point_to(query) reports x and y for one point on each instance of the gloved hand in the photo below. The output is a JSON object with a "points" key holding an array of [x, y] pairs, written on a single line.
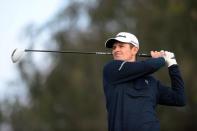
{"points": [[169, 58]]}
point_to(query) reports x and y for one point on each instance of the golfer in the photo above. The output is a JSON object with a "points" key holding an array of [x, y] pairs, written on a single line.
{"points": [[131, 92]]}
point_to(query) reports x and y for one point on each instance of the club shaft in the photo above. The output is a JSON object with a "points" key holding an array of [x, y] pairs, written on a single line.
{"points": [[144, 55], [80, 52], [72, 52]]}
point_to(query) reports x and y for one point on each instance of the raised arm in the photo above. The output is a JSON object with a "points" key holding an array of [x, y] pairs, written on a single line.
{"points": [[120, 71], [174, 95]]}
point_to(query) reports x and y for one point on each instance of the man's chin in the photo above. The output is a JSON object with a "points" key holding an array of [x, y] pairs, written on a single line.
{"points": [[118, 58]]}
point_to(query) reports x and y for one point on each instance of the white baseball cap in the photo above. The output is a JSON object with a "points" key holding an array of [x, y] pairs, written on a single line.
{"points": [[124, 37]]}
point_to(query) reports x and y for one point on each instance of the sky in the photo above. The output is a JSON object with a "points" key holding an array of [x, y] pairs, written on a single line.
{"points": [[15, 15]]}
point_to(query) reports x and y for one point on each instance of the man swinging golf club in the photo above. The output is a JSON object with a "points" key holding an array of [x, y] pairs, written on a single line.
{"points": [[132, 94]]}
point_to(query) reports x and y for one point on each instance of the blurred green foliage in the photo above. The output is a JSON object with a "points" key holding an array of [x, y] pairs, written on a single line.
{"points": [[70, 97]]}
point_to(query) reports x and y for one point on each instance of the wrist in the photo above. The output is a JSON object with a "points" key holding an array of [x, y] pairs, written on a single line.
{"points": [[171, 62]]}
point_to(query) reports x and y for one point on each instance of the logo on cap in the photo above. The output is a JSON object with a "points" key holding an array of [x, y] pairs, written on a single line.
{"points": [[121, 36], [124, 37]]}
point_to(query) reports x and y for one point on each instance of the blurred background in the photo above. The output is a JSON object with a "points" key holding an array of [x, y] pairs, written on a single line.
{"points": [[54, 92]]}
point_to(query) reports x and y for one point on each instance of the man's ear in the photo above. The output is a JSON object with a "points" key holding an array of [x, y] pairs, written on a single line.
{"points": [[135, 49]]}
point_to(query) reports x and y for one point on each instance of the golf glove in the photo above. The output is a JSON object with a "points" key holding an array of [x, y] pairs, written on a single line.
{"points": [[169, 58]]}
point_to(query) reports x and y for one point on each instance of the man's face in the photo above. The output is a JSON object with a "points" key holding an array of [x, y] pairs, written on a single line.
{"points": [[124, 51]]}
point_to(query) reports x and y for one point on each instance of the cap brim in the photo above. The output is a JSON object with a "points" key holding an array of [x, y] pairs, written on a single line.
{"points": [[109, 43]]}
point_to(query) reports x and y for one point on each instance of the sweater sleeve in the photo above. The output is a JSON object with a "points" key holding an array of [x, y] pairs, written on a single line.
{"points": [[121, 71], [174, 95]]}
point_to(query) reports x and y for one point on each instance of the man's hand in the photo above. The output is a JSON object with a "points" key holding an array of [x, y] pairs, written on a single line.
{"points": [[169, 58]]}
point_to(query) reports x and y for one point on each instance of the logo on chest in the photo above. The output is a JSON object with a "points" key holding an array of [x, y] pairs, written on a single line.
{"points": [[146, 81]]}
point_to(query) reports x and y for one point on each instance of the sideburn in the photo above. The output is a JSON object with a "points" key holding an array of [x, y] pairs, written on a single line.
{"points": [[136, 49]]}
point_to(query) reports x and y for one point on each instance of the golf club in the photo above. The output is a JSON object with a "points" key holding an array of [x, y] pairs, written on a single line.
{"points": [[18, 53]]}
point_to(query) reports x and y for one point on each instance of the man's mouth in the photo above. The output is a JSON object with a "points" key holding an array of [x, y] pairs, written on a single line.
{"points": [[117, 54]]}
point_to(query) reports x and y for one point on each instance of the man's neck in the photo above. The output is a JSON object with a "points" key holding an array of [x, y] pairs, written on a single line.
{"points": [[131, 60]]}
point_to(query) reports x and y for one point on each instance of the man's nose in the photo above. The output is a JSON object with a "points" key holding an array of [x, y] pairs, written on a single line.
{"points": [[116, 48]]}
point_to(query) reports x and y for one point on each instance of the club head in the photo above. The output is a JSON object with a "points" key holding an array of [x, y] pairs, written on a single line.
{"points": [[17, 54]]}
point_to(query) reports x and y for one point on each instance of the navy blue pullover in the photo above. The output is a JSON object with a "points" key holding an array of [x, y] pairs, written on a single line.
{"points": [[132, 94]]}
